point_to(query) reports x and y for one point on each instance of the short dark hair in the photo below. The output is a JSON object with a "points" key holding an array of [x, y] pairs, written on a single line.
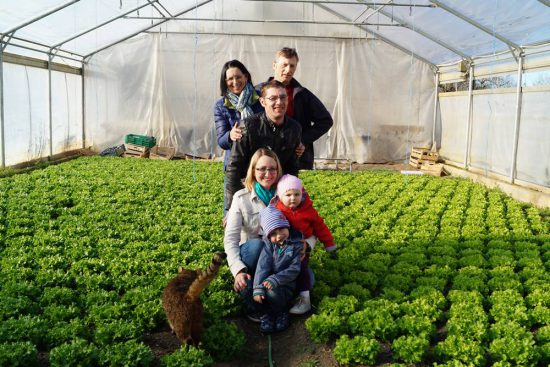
{"points": [[271, 84], [232, 64], [287, 52]]}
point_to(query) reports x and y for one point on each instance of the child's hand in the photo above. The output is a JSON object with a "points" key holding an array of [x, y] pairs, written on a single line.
{"points": [[267, 285], [258, 298]]}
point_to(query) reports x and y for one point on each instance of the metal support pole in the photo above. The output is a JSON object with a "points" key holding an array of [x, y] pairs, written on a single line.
{"points": [[83, 110], [469, 122], [436, 102], [2, 140], [518, 119], [50, 57]]}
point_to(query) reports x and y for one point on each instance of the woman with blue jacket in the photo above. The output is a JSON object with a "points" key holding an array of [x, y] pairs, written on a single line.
{"points": [[239, 100]]}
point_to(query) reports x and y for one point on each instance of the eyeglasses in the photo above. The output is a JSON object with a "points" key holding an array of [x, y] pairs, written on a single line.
{"points": [[266, 170], [274, 99]]}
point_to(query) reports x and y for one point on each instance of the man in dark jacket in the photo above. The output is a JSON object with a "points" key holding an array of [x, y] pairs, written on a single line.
{"points": [[269, 129], [303, 105]]}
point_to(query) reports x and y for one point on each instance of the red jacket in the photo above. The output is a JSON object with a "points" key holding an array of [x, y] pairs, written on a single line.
{"points": [[306, 220]]}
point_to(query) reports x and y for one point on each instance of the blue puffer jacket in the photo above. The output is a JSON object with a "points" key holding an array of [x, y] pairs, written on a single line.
{"points": [[225, 117]]}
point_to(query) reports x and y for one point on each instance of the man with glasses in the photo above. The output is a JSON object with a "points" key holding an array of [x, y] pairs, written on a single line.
{"points": [[269, 129], [302, 105]]}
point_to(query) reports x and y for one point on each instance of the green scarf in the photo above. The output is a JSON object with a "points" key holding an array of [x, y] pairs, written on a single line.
{"points": [[264, 194]]}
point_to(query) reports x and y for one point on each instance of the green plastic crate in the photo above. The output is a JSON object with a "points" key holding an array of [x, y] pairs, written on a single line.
{"points": [[144, 141]]}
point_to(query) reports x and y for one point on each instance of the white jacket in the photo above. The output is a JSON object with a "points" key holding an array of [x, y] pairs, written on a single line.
{"points": [[243, 224]]}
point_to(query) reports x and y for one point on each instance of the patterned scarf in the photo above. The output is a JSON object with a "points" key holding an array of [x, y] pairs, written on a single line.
{"points": [[265, 195], [242, 102]]}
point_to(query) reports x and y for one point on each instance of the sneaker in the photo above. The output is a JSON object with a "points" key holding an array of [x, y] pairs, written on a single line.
{"points": [[281, 322], [301, 306], [253, 316], [266, 324]]}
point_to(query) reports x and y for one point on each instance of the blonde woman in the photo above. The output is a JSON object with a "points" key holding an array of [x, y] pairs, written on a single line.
{"points": [[243, 240]]}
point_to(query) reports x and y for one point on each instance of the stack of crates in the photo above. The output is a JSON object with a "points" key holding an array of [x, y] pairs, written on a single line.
{"points": [[423, 157], [138, 146]]}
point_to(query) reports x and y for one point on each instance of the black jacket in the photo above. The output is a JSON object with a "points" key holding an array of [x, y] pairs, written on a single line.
{"points": [[312, 115], [260, 132]]}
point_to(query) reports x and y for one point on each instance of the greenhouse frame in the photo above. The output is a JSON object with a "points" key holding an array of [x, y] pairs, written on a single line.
{"points": [[420, 235], [468, 78]]}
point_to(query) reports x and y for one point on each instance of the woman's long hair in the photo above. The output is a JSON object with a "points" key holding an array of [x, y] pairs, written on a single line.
{"points": [[250, 177], [232, 64]]}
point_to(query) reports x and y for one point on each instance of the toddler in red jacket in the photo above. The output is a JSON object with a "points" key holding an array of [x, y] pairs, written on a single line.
{"points": [[298, 209]]}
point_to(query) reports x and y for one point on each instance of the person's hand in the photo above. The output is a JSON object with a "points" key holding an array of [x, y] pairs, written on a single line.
{"points": [[267, 285], [240, 281], [300, 149], [259, 299], [235, 133]]}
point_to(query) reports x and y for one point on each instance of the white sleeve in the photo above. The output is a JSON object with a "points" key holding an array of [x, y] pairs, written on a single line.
{"points": [[311, 241], [232, 237]]}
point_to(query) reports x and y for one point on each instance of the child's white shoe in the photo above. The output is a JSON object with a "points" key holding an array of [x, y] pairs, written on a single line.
{"points": [[302, 306]]}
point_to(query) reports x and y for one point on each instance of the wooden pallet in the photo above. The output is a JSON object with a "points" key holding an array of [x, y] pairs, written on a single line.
{"points": [[424, 154], [165, 153], [418, 163], [136, 148]]}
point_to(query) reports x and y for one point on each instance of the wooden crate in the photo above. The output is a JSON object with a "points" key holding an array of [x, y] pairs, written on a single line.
{"points": [[424, 154], [165, 153], [136, 148], [135, 151], [436, 169], [418, 163]]}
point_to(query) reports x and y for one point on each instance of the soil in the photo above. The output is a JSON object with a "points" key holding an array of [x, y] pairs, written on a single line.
{"points": [[290, 348]]}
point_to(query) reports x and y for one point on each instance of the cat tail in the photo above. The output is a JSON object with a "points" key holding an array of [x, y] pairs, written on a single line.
{"points": [[205, 277]]}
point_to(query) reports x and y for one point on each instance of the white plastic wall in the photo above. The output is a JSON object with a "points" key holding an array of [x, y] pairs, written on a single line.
{"points": [[493, 132], [26, 113], [165, 85]]}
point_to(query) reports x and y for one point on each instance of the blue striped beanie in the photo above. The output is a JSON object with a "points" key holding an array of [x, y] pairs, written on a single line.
{"points": [[271, 219]]}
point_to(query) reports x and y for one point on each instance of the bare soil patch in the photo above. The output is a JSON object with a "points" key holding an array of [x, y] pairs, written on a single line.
{"points": [[290, 348]]}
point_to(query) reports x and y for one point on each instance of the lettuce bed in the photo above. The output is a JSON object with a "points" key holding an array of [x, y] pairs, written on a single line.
{"points": [[435, 271]]}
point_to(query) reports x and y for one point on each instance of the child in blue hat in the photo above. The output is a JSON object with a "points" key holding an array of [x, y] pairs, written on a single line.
{"points": [[277, 270]]}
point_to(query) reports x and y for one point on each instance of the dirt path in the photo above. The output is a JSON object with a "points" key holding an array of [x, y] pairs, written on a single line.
{"points": [[291, 348]]}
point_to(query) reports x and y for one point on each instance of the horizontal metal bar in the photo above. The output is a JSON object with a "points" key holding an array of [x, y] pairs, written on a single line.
{"points": [[44, 52], [197, 5], [100, 25], [475, 24], [259, 35], [348, 3], [270, 21], [379, 36], [26, 23], [44, 45]]}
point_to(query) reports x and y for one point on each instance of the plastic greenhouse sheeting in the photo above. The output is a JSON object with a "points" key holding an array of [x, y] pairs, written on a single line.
{"points": [[170, 94]]}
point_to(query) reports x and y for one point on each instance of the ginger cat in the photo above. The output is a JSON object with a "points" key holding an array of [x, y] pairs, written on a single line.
{"points": [[181, 300]]}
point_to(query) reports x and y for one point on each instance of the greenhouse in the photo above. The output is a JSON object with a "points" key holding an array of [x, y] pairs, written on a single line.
{"points": [[429, 270]]}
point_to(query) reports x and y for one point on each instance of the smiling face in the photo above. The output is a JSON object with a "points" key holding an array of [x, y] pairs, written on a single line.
{"points": [[266, 171], [291, 198], [275, 102], [279, 236], [235, 80], [284, 69]]}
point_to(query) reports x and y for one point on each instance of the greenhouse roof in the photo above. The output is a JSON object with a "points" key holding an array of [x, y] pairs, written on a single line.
{"points": [[438, 32]]}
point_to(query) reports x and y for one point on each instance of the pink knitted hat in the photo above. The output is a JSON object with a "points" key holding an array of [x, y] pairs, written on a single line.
{"points": [[288, 182]]}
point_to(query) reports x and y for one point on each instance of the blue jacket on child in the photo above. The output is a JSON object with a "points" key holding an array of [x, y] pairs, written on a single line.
{"points": [[279, 265]]}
